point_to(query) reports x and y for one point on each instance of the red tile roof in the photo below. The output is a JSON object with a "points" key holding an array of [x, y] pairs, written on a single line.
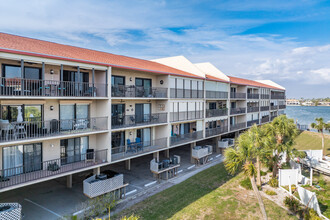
{"points": [[240, 81], [213, 78], [29, 46]]}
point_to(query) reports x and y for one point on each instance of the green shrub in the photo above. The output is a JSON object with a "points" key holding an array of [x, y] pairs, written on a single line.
{"points": [[246, 183], [273, 182], [270, 192], [311, 215], [285, 166], [262, 173], [292, 204]]}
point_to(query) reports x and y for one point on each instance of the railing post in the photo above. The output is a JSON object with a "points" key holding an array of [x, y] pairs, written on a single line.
{"points": [[43, 79], [93, 81], [61, 80], [22, 77]]}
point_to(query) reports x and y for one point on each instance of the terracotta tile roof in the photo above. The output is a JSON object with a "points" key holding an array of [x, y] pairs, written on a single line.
{"points": [[240, 81], [213, 78], [23, 45]]}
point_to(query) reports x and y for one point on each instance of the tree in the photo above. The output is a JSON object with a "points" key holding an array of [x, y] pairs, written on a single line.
{"points": [[320, 126], [281, 133], [244, 156]]}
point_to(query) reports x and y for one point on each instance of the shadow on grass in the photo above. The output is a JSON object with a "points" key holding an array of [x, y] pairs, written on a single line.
{"points": [[165, 204]]}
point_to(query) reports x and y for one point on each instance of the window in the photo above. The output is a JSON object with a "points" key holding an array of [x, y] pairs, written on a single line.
{"points": [[26, 112], [212, 105], [118, 139], [68, 114], [117, 80], [32, 73], [10, 71]]}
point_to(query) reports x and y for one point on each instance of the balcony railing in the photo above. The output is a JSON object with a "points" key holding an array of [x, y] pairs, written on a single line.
{"points": [[252, 109], [216, 95], [137, 120], [273, 107], [15, 131], [235, 111], [264, 96], [282, 106], [133, 149], [184, 116], [185, 138], [272, 117], [186, 93], [250, 123], [216, 112], [138, 91], [265, 119], [35, 171], [237, 95], [264, 108], [45, 88], [237, 126], [277, 96], [252, 96], [215, 131]]}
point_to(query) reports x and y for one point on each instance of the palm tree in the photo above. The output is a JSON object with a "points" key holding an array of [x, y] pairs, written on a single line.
{"points": [[320, 126], [281, 133], [244, 156]]}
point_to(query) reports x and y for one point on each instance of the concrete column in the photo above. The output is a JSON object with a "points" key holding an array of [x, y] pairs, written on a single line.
{"points": [[167, 153], [192, 160], [236, 134], [156, 156], [96, 171], [216, 144], [69, 181], [128, 164]]}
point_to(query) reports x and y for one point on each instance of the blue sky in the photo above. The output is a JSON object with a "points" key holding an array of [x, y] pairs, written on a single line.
{"points": [[285, 41]]}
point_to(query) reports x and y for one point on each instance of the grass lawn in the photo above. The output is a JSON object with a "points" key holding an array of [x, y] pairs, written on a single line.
{"points": [[308, 140], [210, 194]]}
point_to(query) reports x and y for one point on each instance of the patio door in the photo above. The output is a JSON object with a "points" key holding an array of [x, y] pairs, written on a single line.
{"points": [[145, 136], [12, 160], [142, 112], [32, 157], [74, 149], [117, 114], [67, 114], [143, 87]]}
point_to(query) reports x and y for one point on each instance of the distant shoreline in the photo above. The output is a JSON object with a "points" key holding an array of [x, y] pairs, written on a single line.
{"points": [[309, 105]]}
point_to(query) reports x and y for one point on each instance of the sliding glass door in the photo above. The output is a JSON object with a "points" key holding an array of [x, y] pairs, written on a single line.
{"points": [[145, 136], [74, 149], [117, 114], [142, 112], [66, 116], [22, 159], [74, 116], [143, 87]]}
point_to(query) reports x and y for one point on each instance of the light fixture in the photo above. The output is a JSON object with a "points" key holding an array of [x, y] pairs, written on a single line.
{"points": [[52, 71], [130, 133], [51, 108], [130, 79], [51, 145], [161, 82]]}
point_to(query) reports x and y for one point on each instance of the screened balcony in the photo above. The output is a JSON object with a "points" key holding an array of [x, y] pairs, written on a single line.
{"points": [[237, 126], [34, 171], [237, 95], [252, 122], [235, 111], [216, 112], [15, 131], [252, 109], [265, 119], [216, 95], [187, 115], [264, 108], [215, 131], [252, 96], [186, 93]]}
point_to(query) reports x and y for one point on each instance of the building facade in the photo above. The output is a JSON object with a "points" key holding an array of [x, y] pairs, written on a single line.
{"points": [[65, 110]]}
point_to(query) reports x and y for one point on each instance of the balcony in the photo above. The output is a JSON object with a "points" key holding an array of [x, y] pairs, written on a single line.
{"points": [[250, 123], [264, 96], [138, 120], [264, 108], [237, 126], [265, 119], [138, 92], [272, 117], [50, 88], [215, 131], [184, 116], [186, 138], [252, 96], [186, 93], [216, 95], [134, 149], [16, 131], [282, 106], [216, 112], [237, 95], [273, 107], [252, 109], [277, 96], [24, 174], [236, 111]]}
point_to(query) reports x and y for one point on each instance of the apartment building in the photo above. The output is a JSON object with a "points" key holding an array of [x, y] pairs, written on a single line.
{"points": [[60, 114]]}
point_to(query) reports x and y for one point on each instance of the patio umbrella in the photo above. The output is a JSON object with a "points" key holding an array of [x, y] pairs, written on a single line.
{"points": [[19, 114]]}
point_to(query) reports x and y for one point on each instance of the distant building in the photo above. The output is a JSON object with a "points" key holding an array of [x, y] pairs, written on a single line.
{"points": [[292, 102], [324, 103], [307, 103]]}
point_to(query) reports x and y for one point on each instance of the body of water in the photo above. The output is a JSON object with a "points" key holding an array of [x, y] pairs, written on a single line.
{"points": [[307, 114]]}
